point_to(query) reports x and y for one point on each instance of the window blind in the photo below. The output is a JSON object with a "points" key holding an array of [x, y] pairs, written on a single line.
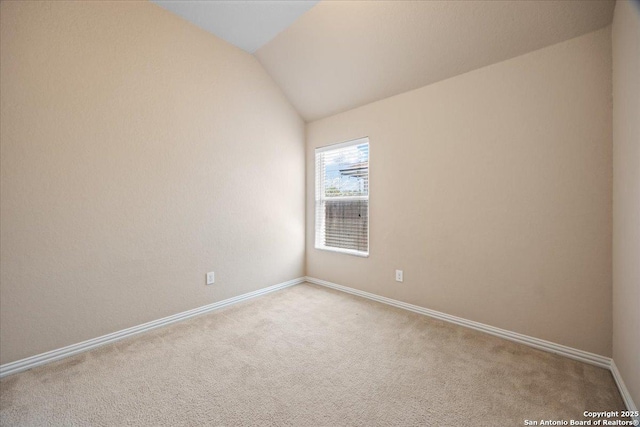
{"points": [[342, 197]]}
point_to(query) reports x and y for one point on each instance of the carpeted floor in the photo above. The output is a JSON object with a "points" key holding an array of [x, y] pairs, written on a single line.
{"points": [[307, 356]]}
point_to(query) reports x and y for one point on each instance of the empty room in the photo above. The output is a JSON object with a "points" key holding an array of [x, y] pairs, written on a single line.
{"points": [[319, 213]]}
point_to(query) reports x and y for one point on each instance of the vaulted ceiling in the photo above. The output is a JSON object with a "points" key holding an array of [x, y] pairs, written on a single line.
{"points": [[343, 54]]}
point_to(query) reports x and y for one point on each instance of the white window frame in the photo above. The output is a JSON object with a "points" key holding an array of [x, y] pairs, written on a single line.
{"points": [[321, 197]]}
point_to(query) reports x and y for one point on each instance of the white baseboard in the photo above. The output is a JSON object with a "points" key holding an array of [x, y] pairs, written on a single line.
{"points": [[53, 355], [572, 353], [624, 392], [583, 356]]}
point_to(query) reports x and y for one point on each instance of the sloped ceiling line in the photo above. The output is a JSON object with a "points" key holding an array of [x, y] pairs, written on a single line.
{"points": [[332, 56]]}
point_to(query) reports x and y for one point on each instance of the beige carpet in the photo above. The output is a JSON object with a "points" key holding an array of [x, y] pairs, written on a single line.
{"points": [[307, 356]]}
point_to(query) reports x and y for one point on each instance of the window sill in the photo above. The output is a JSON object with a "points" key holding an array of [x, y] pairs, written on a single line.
{"points": [[344, 251]]}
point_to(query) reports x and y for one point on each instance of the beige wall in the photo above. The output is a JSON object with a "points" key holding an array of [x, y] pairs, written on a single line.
{"points": [[138, 152], [492, 191], [626, 194]]}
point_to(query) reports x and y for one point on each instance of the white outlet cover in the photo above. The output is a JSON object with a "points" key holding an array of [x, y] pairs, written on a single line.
{"points": [[211, 278], [399, 276]]}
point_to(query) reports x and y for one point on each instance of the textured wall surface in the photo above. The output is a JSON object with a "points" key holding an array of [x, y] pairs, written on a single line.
{"points": [[492, 191], [138, 152], [626, 193]]}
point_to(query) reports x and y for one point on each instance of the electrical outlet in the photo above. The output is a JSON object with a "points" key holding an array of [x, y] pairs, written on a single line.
{"points": [[211, 278], [399, 276]]}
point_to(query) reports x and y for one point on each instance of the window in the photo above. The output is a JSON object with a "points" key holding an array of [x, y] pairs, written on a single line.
{"points": [[342, 197]]}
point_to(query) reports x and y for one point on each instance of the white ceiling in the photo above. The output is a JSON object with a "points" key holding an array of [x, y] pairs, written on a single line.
{"points": [[246, 24], [343, 54]]}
